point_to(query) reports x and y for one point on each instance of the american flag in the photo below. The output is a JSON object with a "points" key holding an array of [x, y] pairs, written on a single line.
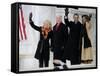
{"points": [[22, 30]]}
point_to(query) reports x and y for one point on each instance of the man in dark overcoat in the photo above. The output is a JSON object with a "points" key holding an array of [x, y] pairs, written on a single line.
{"points": [[73, 46], [60, 33]]}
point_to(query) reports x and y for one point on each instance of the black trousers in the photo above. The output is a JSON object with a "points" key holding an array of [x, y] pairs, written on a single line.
{"points": [[76, 57], [43, 62], [58, 54]]}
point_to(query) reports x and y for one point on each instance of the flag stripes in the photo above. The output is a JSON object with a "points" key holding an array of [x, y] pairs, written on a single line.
{"points": [[22, 30]]}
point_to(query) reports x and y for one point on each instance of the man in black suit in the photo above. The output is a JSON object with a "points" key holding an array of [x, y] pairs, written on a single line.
{"points": [[73, 46], [60, 33]]}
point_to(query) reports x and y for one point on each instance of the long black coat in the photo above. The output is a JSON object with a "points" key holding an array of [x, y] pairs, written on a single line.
{"points": [[87, 42], [43, 44], [59, 39], [74, 44]]}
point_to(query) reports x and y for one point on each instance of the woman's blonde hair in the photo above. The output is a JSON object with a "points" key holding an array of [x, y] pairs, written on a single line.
{"points": [[48, 22]]}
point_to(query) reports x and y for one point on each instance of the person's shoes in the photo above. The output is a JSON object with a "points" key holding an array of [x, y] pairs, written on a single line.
{"points": [[89, 61], [56, 68], [65, 67]]}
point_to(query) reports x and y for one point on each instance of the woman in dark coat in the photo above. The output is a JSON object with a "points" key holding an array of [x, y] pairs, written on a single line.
{"points": [[42, 52]]}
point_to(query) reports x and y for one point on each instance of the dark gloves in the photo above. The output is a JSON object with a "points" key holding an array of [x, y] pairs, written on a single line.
{"points": [[66, 12], [30, 18]]}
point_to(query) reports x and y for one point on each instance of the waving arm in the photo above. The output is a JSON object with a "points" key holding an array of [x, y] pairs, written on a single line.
{"points": [[32, 23]]}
